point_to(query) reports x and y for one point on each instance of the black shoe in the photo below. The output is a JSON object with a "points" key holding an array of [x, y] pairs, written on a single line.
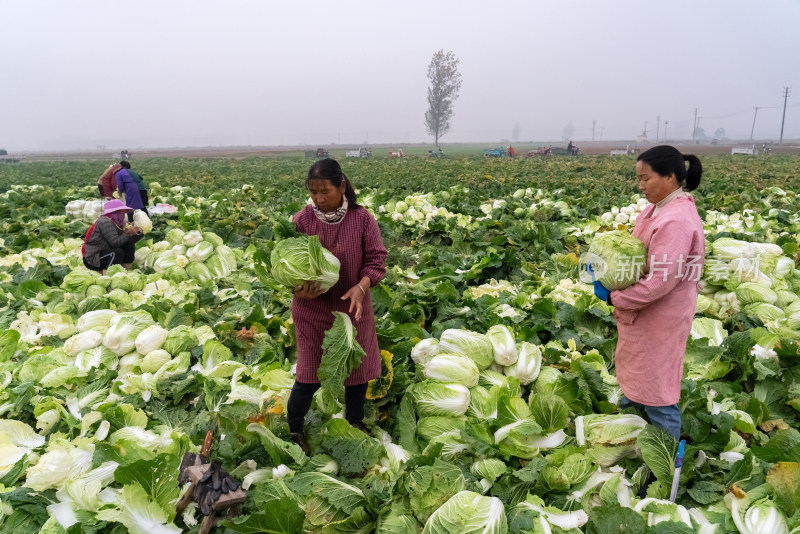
{"points": [[642, 493], [300, 439], [360, 426]]}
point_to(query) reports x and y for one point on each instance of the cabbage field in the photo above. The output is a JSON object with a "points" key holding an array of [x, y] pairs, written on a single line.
{"points": [[497, 408]]}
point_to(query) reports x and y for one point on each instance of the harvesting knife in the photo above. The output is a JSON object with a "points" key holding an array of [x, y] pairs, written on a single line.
{"points": [[677, 475]]}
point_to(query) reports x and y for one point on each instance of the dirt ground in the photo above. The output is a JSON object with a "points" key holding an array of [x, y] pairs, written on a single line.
{"points": [[587, 148]]}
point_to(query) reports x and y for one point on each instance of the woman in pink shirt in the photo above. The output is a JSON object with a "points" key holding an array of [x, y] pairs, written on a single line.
{"points": [[654, 315], [351, 234]]}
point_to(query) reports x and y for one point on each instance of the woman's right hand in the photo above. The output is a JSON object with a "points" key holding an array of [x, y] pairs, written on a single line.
{"points": [[132, 230], [308, 290]]}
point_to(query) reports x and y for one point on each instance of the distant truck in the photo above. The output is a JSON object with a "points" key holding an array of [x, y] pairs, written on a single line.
{"points": [[362, 152], [318, 153], [5, 158], [495, 152]]}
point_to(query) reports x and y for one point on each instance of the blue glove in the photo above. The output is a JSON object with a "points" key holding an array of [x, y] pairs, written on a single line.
{"points": [[600, 291]]}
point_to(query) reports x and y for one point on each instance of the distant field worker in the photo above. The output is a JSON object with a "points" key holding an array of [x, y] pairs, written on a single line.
{"points": [[139, 183], [107, 183], [510, 151], [351, 233], [127, 185], [108, 241], [654, 315]]}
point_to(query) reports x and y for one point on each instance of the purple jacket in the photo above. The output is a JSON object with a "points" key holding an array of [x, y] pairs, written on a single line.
{"points": [[126, 185]]}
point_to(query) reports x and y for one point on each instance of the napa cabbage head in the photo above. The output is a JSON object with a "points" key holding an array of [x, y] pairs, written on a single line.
{"points": [[180, 339], [618, 259], [222, 263], [503, 344], [299, 259], [467, 343], [467, 512], [609, 438], [200, 252], [150, 339], [200, 273], [452, 368], [528, 364], [436, 398], [141, 220], [123, 330], [711, 329]]}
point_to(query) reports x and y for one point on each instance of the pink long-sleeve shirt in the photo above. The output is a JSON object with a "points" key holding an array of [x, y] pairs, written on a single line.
{"points": [[654, 315], [356, 241]]}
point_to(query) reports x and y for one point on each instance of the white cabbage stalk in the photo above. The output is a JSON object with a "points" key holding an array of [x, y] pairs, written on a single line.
{"points": [[424, 350], [565, 520], [549, 441], [679, 513]]}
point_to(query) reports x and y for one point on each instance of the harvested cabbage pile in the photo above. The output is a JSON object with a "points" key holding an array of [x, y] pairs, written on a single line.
{"points": [[618, 259], [298, 259], [200, 256]]}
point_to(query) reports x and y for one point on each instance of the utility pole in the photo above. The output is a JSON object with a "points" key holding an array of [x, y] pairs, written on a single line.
{"points": [[658, 126], [644, 132], [602, 129], [694, 126], [787, 91], [752, 129], [666, 124], [594, 123]]}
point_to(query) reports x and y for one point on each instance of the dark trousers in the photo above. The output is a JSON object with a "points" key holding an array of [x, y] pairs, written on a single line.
{"points": [[144, 209], [666, 417], [303, 394], [115, 256]]}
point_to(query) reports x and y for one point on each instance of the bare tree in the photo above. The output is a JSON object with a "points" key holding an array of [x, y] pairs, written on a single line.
{"points": [[445, 82]]}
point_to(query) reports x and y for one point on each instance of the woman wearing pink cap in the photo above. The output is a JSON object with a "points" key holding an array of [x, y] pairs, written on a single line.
{"points": [[108, 241]]}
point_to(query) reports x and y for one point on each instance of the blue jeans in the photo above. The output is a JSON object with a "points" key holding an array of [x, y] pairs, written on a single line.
{"points": [[666, 417]]}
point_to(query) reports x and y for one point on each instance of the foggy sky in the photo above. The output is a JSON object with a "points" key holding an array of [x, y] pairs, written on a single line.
{"points": [[79, 74]]}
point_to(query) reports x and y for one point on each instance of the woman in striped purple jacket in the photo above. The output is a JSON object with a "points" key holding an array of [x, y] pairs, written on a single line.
{"points": [[351, 233]]}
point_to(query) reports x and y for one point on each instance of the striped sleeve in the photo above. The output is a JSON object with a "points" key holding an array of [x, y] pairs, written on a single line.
{"points": [[299, 223], [374, 264]]}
